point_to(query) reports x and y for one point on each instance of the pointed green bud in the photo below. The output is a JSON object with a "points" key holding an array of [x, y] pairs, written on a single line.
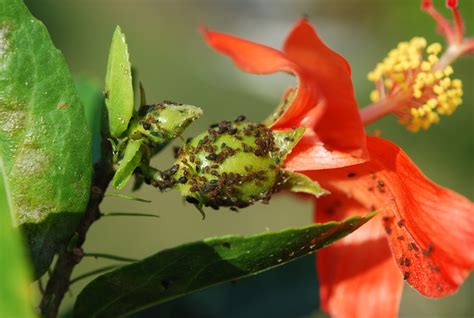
{"points": [[163, 122], [233, 164]]}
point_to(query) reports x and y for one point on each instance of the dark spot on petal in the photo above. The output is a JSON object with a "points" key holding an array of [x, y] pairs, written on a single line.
{"points": [[400, 238], [351, 174], [401, 223], [381, 185], [428, 251], [434, 268], [407, 262], [406, 275]]}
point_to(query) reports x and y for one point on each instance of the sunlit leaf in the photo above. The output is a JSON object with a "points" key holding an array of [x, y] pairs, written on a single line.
{"points": [[15, 293], [44, 137], [188, 268]]}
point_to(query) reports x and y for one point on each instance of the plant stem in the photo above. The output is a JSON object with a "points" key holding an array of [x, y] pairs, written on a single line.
{"points": [[129, 214], [110, 256], [91, 273], [59, 281]]}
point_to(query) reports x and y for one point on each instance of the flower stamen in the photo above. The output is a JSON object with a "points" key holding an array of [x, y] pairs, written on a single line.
{"points": [[412, 86]]}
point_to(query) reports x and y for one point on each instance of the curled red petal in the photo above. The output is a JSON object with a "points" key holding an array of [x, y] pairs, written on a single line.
{"points": [[260, 59], [357, 275], [308, 106], [340, 127], [430, 228]]}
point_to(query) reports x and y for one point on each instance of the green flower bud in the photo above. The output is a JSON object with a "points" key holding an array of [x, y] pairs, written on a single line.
{"points": [[233, 164], [163, 122], [149, 131]]}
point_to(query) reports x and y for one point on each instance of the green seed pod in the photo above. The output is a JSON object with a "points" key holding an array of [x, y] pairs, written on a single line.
{"points": [[233, 164]]}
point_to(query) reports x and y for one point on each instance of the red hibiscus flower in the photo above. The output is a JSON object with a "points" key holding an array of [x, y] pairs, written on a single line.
{"points": [[424, 233]]}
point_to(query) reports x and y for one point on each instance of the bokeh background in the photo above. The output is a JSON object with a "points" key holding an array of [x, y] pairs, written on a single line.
{"points": [[174, 64]]}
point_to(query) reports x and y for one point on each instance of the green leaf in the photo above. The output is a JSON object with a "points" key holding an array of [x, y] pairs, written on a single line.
{"points": [[93, 100], [15, 293], [188, 268], [118, 85], [131, 160], [44, 138], [297, 182]]}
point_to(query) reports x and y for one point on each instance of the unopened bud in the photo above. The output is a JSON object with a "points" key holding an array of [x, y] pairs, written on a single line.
{"points": [[163, 122], [150, 130], [233, 164]]}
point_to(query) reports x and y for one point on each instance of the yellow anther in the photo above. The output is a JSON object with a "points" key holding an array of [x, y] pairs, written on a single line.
{"points": [[425, 66], [410, 73], [448, 70], [375, 96], [445, 82], [414, 112], [417, 93], [434, 48], [438, 74], [432, 102], [432, 58], [456, 83], [438, 89], [429, 79]]}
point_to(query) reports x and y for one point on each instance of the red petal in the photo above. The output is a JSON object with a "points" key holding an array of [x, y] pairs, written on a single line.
{"points": [[340, 127], [357, 275], [256, 58], [307, 107], [311, 154], [431, 229]]}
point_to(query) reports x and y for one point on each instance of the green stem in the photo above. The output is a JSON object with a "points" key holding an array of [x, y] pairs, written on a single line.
{"points": [[109, 256], [129, 214], [92, 273]]}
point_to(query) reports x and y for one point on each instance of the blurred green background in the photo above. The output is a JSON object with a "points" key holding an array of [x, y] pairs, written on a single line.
{"points": [[174, 64]]}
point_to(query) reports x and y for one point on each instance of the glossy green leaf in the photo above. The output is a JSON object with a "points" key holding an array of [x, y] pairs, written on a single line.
{"points": [[44, 138], [297, 182], [130, 161], [118, 85], [188, 268], [93, 100], [15, 293]]}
